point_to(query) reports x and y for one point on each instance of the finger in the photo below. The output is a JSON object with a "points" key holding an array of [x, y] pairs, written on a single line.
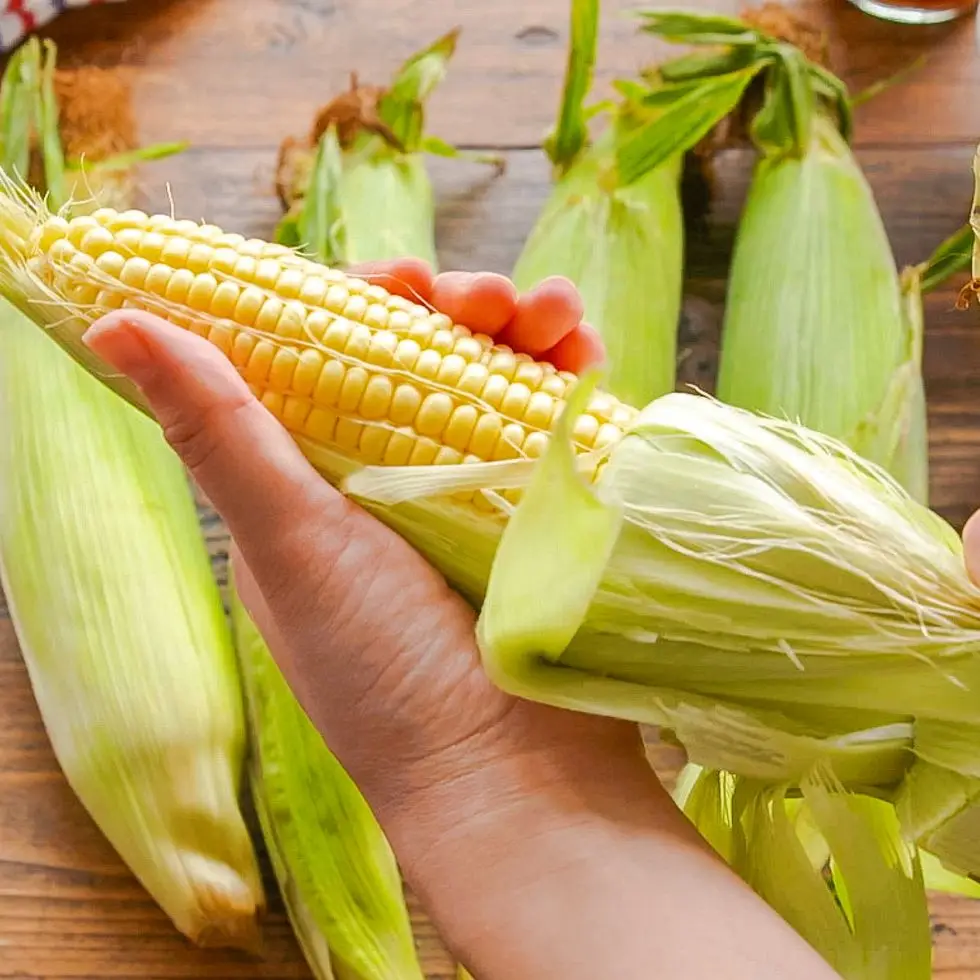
{"points": [[971, 547], [485, 302], [244, 460], [577, 351], [408, 277], [544, 317]]}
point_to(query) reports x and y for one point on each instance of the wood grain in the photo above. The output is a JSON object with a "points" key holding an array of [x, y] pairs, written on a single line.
{"points": [[235, 78]]}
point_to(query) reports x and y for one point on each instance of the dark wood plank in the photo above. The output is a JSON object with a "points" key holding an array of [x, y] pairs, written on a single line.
{"points": [[235, 78], [209, 54]]}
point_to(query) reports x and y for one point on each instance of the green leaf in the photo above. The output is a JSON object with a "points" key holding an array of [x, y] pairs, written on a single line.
{"points": [[689, 113], [828, 86], [689, 27], [52, 151], [700, 64], [402, 107], [19, 107], [948, 259], [440, 148], [287, 231], [940, 879], [878, 879], [783, 124], [630, 89], [571, 132], [320, 224], [129, 159]]}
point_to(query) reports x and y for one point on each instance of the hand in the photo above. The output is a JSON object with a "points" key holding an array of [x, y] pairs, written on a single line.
{"points": [[539, 840]]}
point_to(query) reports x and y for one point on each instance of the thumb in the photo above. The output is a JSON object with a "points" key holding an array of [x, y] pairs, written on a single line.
{"points": [[246, 462]]}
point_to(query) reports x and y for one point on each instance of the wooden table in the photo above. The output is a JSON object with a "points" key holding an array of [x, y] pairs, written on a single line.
{"points": [[236, 76]]}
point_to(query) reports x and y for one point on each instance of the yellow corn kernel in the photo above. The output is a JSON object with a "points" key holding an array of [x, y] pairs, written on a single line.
{"points": [[405, 404], [295, 412], [308, 369], [321, 425], [283, 368], [399, 448], [374, 442], [348, 434], [376, 401], [433, 416], [352, 389], [459, 429]]}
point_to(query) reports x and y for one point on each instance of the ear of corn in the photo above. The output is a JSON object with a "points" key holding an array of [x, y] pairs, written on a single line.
{"points": [[815, 326], [358, 189], [818, 328], [336, 871], [621, 242], [119, 620], [756, 588]]}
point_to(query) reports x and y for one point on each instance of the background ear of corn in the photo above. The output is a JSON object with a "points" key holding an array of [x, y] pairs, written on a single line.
{"points": [[358, 190], [620, 242], [119, 620], [334, 866]]}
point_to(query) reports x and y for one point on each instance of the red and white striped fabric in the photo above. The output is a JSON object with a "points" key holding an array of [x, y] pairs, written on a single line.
{"points": [[19, 17]]}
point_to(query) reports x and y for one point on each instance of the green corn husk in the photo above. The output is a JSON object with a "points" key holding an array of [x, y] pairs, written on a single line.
{"points": [[335, 869], [366, 157], [819, 326], [621, 242], [110, 590], [789, 847]]}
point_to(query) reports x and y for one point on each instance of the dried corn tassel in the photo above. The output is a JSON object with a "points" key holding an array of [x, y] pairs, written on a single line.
{"points": [[365, 155], [620, 241], [119, 619]]}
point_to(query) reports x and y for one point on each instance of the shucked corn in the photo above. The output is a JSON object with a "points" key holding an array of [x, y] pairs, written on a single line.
{"points": [[335, 358]]}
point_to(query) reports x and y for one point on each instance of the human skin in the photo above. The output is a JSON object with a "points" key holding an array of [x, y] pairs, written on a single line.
{"points": [[539, 840]]}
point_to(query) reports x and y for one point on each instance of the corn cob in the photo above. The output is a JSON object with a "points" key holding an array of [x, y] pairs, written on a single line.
{"points": [[336, 359], [108, 580]]}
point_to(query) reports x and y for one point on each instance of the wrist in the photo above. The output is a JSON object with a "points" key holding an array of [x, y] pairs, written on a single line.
{"points": [[521, 819]]}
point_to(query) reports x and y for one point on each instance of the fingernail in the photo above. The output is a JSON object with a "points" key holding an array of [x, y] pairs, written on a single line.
{"points": [[115, 341]]}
